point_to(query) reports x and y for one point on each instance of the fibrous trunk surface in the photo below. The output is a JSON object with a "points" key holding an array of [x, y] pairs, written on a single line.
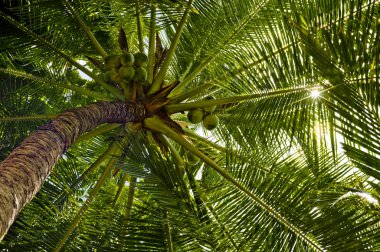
{"points": [[24, 171]]}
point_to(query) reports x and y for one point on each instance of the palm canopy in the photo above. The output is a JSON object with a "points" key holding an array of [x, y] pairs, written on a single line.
{"points": [[283, 171]]}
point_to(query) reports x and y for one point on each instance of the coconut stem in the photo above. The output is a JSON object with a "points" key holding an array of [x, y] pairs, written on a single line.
{"points": [[139, 27], [165, 65], [152, 42], [173, 108], [168, 236], [120, 188], [193, 135], [87, 30], [195, 91], [179, 160]]}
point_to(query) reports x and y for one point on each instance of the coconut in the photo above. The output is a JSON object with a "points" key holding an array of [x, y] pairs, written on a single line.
{"points": [[140, 75], [127, 59], [107, 75], [195, 116], [209, 109], [115, 76], [140, 59], [127, 72], [112, 75], [210, 122], [112, 61]]}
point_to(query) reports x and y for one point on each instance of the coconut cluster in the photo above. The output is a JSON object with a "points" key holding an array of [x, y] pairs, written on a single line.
{"points": [[210, 121], [126, 68]]}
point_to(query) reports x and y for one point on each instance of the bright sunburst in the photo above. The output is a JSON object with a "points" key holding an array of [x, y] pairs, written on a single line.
{"points": [[315, 94]]}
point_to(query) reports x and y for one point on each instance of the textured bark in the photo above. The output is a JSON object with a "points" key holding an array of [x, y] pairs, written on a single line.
{"points": [[24, 171]]}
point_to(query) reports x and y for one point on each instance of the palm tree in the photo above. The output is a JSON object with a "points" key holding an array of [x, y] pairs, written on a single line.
{"points": [[292, 165]]}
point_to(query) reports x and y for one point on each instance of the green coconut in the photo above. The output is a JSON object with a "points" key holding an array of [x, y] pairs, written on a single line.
{"points": [[140, 75], [107, 75], [112, 75], [140, 59], [210, 122], [127, 72], [195, 116], [112, 61], [127, 59], [209, 109]]}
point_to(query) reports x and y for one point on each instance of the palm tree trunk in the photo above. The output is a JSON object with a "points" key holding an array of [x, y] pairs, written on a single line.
{"points": [[24, 171]]}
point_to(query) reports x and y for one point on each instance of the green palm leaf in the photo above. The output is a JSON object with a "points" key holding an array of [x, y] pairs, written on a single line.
{"points": [[296, 150]]}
